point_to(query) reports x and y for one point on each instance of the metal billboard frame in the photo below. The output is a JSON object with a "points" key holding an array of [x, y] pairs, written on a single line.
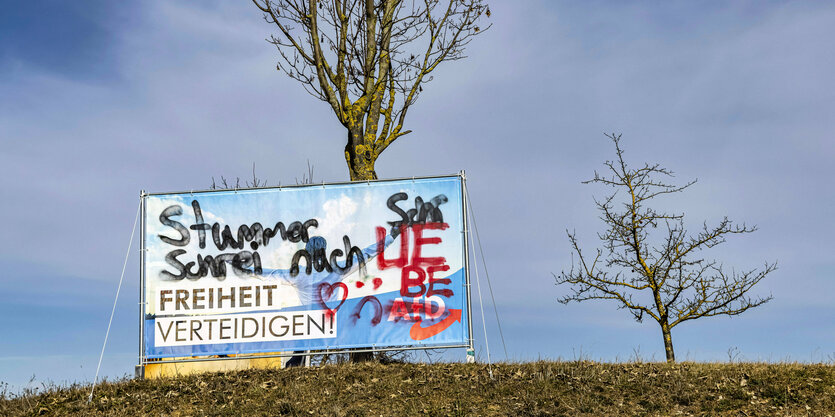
{"points": [[144, 361]]}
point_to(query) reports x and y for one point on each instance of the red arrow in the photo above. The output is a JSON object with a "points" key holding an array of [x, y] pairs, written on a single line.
{"points": [[417, 332]]}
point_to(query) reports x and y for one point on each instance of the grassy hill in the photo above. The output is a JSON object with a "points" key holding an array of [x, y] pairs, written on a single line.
{"points": [[540, 388]]}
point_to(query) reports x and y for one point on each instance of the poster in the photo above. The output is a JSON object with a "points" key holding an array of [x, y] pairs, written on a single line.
{"points": [[322, 267]]}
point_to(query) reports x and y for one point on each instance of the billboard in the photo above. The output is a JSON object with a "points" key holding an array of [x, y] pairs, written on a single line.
{"points": [[377, 264]]}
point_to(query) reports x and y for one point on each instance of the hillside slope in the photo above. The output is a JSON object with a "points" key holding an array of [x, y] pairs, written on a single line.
{"points": [[540, 388]]}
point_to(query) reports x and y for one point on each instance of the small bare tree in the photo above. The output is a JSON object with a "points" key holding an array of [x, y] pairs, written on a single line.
{"points": [[663, 275], [368, 59]]}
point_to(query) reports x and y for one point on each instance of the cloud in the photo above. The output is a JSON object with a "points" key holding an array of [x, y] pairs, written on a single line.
{"points": [[334, 225]]}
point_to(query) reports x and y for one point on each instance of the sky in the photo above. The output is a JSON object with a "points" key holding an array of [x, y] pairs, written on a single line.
{"points": [[99, 100]]}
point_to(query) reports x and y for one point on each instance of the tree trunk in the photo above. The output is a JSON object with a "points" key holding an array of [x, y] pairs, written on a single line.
{"points": [[668, 343], [357, 357], [360, 157]]}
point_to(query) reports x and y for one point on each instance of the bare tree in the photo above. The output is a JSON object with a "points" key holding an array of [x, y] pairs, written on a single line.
{"points": [[660, 274], [255, 182], [368, 59]]}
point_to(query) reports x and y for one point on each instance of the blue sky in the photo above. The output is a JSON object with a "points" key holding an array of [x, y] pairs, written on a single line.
{"points": [[99, 101]]}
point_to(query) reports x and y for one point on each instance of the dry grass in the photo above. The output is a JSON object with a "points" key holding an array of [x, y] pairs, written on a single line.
{"points": [[540, 388]]}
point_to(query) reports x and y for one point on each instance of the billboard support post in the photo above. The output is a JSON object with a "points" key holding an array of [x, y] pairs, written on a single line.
{"points": [[140, 368], [470, 342]]}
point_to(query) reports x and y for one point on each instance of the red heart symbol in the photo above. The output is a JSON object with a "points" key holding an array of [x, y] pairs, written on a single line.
{"points": [[377, 282], [326, 291]]}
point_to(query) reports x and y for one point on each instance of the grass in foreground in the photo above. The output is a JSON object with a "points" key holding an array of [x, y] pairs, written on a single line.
{"points": [[540, 388]]}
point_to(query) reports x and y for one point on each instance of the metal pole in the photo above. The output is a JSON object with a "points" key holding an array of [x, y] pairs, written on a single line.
{"points": [[466, 231], [280, 187], [307, 353], [140, 370]]}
